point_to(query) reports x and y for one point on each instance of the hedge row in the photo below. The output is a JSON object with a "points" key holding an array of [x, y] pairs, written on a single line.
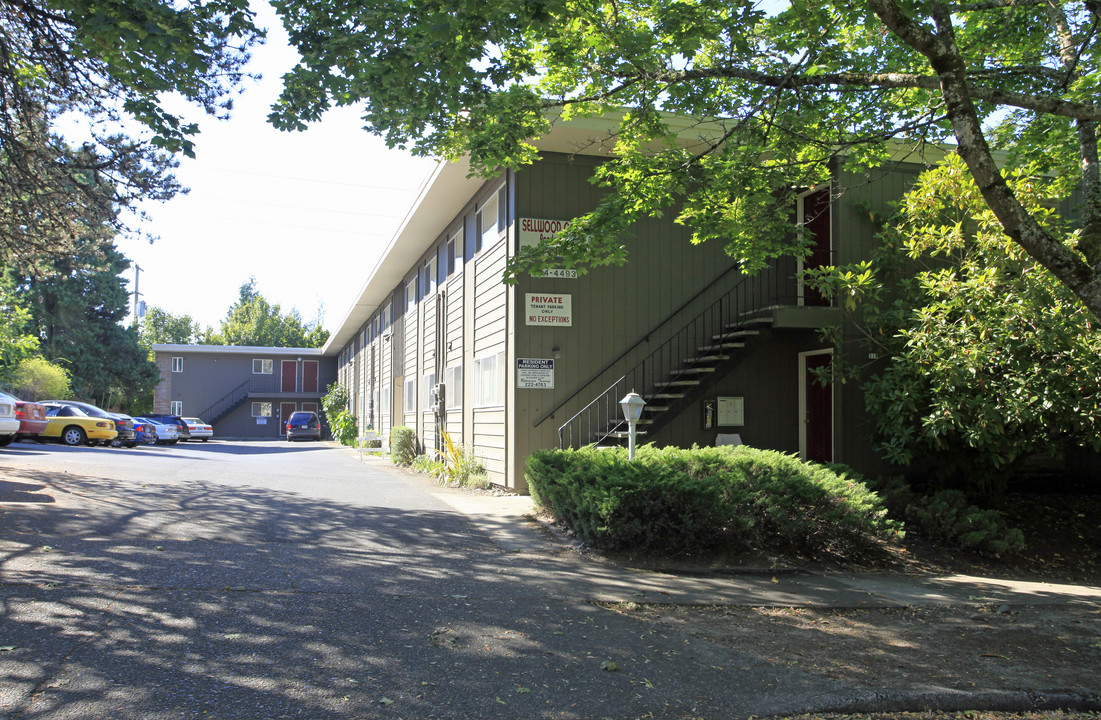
{"points": [[672, 500]]}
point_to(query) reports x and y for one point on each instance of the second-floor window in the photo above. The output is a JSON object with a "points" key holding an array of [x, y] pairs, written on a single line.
{"points": [[261, 367], [177, 366]]}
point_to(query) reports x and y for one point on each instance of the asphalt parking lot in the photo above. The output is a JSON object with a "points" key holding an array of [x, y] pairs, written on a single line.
{"points": [[277, 580]]}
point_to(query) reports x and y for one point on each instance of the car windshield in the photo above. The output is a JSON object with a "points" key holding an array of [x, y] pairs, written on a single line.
{"points": [[300, 418], [193, 421]]}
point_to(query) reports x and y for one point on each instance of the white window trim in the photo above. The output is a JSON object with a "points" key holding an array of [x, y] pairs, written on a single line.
{"points": [[453, 386], [261, 409], [175, 407], [267, 367], [177, 366], [409, 400], [428, 380], [481, 398]]}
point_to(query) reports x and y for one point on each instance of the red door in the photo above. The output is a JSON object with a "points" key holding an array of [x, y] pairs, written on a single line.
{"points": [[819, 410], [285, 411], [309, 376], [816, 220], [288, 368]]}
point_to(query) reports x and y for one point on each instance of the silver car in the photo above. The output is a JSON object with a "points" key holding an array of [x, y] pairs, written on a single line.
{"points": [[166, 434]]}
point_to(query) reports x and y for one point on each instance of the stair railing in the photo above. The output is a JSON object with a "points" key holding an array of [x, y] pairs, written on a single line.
{"points": [[666, 365], [221, 404]]}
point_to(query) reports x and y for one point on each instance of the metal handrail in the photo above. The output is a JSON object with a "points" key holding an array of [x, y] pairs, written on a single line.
{"points": [[644, 338], [666, 365], [235, 393]]}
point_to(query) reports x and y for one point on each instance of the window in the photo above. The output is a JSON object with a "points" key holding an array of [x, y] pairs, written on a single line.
{"points": [[261, 367], [427, 383], [175, 407], [487, 224], [409, 402], [411, 296], [261, 409], [453, 387], [487, 380], [385, 404], [455, 251], [428, 278], [177, 366]]}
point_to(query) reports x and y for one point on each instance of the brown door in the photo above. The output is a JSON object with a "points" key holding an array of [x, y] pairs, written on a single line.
{"points": [[309, 407], [819, 410], [285, 411], [288, 367], [816, 220], [309, 376]]}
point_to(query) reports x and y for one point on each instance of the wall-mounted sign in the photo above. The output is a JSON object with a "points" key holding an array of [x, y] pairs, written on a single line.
{"points": [[731, 411], [559, 273], [534, 374], [534, 230], [548, 309]]}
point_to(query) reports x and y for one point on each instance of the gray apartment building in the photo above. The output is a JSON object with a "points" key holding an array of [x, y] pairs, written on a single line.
{"points": [[243, 392]]}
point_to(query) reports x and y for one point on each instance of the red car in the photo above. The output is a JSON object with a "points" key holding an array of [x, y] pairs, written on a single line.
{"points": [[31, 417]]}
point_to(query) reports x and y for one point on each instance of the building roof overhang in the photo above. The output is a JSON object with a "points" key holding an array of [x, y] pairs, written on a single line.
{"points": [[236, 350]]}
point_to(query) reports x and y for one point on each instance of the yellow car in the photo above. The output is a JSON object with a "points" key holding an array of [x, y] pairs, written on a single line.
{"points": [[72, 426]]}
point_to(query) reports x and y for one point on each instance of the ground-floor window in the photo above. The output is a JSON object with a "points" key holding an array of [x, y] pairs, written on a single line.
{"points": [[487, 379], [409, 402], [261, 409], [453, 387], [427, 383], [175, 407]]}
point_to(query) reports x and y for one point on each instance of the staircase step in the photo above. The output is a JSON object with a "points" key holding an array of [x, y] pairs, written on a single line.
{"points": [[667, 396], [736, 331], [721, 346], [693, 370], [624, 434], [678, 383], [656, 408], [706, 358]]}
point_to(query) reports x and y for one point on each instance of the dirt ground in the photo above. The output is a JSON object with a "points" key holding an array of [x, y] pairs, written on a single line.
{"points": [[965, 647]]}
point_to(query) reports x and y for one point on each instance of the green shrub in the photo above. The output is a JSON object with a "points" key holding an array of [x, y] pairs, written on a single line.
{"points": [[403, 445], [672, 500], [344, 428], [426, 465], [947, 517], [458, 466]]}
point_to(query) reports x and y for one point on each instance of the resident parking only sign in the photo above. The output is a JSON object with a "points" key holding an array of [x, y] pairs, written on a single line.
{"points": [[534, 374], [548, 309]]}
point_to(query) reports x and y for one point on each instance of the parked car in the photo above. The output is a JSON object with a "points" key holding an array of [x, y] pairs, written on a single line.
{"points": [[9, 423], [198, 429], [32, 419], [304, 424], [71, 425], [181, 426], [145, 432], [124, 424], [167, 433]]}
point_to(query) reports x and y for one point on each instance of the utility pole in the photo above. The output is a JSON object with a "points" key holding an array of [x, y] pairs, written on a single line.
{"points": [[137, 295]]}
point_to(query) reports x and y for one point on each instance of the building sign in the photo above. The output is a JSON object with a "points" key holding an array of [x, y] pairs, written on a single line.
{"points": [[534, 374], [559, 273], [549, 309], [731, 411], [535, 230]]}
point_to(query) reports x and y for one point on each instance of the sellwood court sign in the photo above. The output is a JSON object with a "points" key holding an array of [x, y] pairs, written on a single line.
{"points": [[532, 231], [548, 309]]}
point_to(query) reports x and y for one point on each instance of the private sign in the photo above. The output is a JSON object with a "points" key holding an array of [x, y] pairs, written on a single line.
{"points": [[548, 309]]}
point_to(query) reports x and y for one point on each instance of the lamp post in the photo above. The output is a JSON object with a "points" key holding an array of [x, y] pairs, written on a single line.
{"points": [[632, 406]]}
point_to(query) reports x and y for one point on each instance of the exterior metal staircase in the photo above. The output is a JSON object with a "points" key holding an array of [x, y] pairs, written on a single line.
{"points": [[690, 355], [229, 402]]}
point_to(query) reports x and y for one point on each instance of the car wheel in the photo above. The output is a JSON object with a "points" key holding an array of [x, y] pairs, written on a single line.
{"points": [[173, 442], [7, 440], [131, 444], [73, 436], [205, 439]]}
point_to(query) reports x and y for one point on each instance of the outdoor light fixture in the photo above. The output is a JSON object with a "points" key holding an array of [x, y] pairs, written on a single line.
{"points": [[632, 406]]}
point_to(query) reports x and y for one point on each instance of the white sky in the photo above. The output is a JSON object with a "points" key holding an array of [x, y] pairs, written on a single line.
{"points": [[304, 213]]}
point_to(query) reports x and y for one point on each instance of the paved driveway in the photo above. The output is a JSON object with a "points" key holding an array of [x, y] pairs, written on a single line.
{"points": [[273, 580]]}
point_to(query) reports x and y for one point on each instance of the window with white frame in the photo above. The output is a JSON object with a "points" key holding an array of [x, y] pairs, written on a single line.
{"points": [[487, 380], [453, 386], [261, 367], [261, 409], [428, 278], [428, 380], [409, 402], [175, 407], [455, 250], [411, 296], [177, 366], [384, 404], [488, 223]]}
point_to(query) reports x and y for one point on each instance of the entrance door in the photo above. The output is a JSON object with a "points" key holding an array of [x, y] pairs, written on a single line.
{"points": [[288, 368], [309, 376], [817, 410], [286, 409], [815, 218]]}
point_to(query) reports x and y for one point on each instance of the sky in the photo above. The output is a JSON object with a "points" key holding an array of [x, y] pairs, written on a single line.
{"points": [[306, 214]]}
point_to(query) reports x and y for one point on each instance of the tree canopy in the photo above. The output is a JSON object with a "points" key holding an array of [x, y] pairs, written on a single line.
{"points": [[90, 68], [253, 320], [777, 95], [985, 359]]}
